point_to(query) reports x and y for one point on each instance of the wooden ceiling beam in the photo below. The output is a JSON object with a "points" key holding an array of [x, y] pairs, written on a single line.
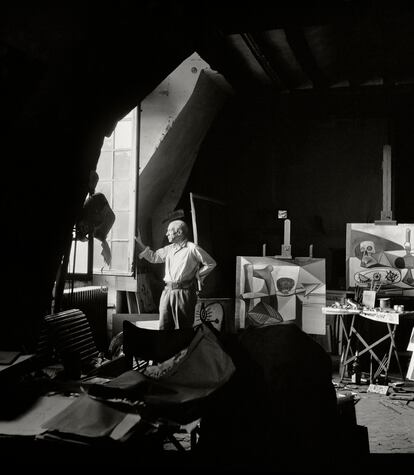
{"points": [[236, 17], [304, 56], [277, 63], [213, 46], [262, 59]]}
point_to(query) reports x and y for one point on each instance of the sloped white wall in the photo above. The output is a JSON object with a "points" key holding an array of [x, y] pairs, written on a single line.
{"points": [[174, 120], [160, 109]]}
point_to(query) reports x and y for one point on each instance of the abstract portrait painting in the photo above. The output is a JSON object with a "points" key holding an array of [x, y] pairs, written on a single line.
{"points": [[271, 290], [380, 254]]}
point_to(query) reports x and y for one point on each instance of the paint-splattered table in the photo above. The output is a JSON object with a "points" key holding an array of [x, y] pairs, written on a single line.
{"points": [[388, 318]]}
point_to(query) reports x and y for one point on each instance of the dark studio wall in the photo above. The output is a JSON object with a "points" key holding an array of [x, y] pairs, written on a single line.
{"points": [[323, 167], [404, 165]]}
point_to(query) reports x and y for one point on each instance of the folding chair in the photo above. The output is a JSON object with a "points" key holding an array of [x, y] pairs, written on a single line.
{"points": [[142, 347], [147, 345]]}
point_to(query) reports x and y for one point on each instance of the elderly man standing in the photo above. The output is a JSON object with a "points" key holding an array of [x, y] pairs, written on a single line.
{"points": [[186, 267]]}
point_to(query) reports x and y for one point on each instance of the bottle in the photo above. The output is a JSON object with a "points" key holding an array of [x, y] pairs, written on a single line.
{"points": [[356, 370]]}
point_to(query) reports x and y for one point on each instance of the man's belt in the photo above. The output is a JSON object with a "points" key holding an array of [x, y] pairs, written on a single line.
{"points": [[180, 285]]}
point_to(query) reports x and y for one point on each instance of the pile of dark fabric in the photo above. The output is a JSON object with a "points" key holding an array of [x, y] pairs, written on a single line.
{"points": [[279, 410]]}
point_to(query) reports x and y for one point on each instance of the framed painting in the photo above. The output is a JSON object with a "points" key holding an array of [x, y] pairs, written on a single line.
{"points": [[270, 290], [380, 255]]}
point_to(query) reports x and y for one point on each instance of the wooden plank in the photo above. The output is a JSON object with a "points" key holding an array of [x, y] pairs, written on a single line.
{"points": [[194, 219], [132, 302], [386, 213]]}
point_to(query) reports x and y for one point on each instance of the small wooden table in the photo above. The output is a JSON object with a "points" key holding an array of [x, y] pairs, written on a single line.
{"points": [[390, 319], [344, 334]]}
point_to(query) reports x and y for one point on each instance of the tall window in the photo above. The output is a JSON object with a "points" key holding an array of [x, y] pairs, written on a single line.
{"points": [[117, 176]]}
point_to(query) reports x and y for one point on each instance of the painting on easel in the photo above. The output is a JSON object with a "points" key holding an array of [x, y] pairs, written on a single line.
{"points": [[380, 254], [271, 290]]}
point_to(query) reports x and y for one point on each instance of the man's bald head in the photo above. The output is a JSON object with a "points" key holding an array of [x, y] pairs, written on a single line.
{"points": [[177, 231]]}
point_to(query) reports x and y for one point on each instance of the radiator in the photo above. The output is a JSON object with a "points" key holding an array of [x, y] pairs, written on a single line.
{"points": [[93, 302]]}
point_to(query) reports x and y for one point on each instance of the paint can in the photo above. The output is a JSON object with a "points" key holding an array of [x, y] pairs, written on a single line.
{"points": [[384, 303]]}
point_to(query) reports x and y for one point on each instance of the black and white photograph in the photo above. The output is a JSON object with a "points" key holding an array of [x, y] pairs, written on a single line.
{"points": [[208, 236]]}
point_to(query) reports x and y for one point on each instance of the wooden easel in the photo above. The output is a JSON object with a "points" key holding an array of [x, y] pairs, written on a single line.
{"points": [[286, 248], [386, 213]]}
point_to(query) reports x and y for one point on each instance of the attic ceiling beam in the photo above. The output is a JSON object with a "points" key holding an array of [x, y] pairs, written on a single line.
{"points": [[213, 47], [304, 56], [236, 16], [262, 59], [275, 60]]}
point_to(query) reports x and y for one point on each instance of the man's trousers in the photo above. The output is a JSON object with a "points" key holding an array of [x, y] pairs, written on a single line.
{"points": [[177, 308]]}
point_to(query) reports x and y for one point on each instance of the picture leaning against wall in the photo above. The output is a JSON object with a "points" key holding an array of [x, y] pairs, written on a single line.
{"points": [[380, 255]]}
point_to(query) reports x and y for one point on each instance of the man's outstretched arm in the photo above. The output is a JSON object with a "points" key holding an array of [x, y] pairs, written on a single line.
{"points": [[155, 257]]}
